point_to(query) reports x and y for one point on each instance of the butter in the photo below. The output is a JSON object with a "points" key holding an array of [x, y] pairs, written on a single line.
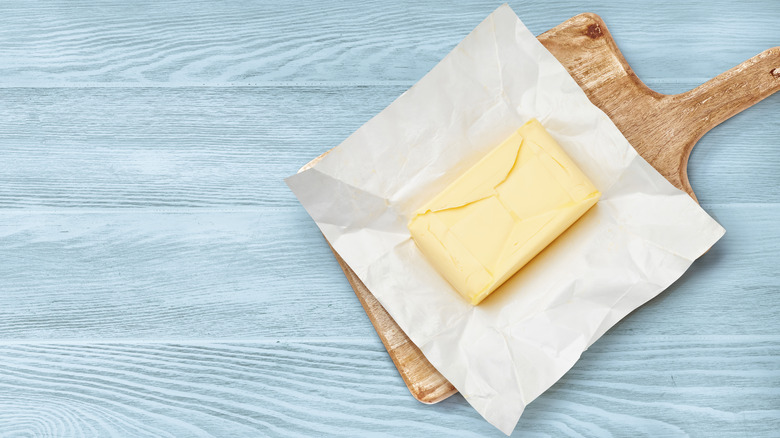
{"points": [[502, 212]]}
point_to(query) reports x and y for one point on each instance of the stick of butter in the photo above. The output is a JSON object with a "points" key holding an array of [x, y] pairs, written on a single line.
{"points": [[502, 212]]}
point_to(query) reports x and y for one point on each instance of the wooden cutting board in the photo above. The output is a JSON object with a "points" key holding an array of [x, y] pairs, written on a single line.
{"points": [[662, 128]]}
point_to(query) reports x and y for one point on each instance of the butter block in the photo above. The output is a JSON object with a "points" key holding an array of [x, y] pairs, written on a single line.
{"points": [[502, 212]]}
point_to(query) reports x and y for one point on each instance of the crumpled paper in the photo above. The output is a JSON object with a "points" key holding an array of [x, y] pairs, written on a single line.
{"points": [[502, 354]]}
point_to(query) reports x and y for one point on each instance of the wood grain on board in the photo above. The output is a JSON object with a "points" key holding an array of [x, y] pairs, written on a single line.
{"points": [[662, 128]]}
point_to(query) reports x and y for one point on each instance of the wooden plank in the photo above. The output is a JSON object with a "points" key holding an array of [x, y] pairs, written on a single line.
{"points": [[180, 275], [231, 147], [623, 386], [177, 275], [242, 43]]}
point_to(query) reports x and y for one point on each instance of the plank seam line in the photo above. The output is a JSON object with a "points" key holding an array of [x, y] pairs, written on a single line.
{"points": [[279, 84], [192, 341], [262, 210], [120, 210], [622, 338]]}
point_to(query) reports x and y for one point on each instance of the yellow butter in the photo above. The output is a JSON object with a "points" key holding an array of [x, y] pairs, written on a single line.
{"points": [[502, 212]]}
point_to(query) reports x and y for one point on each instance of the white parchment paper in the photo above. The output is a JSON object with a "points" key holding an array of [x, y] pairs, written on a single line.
{"points": [[502, 354]]}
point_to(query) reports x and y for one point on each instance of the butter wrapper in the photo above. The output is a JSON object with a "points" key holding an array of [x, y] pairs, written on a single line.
{"points": [[640, 238]]}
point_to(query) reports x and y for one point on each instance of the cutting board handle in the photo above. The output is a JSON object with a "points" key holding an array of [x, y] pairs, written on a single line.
{"points": [[718, 99], [663, 128], [697, 111]]}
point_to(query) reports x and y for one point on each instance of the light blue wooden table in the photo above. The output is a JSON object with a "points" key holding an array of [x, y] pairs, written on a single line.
{"points": [[158, 279]]}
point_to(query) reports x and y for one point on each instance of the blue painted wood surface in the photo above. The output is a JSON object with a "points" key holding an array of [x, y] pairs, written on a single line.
{"points": [[158, 279]]}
